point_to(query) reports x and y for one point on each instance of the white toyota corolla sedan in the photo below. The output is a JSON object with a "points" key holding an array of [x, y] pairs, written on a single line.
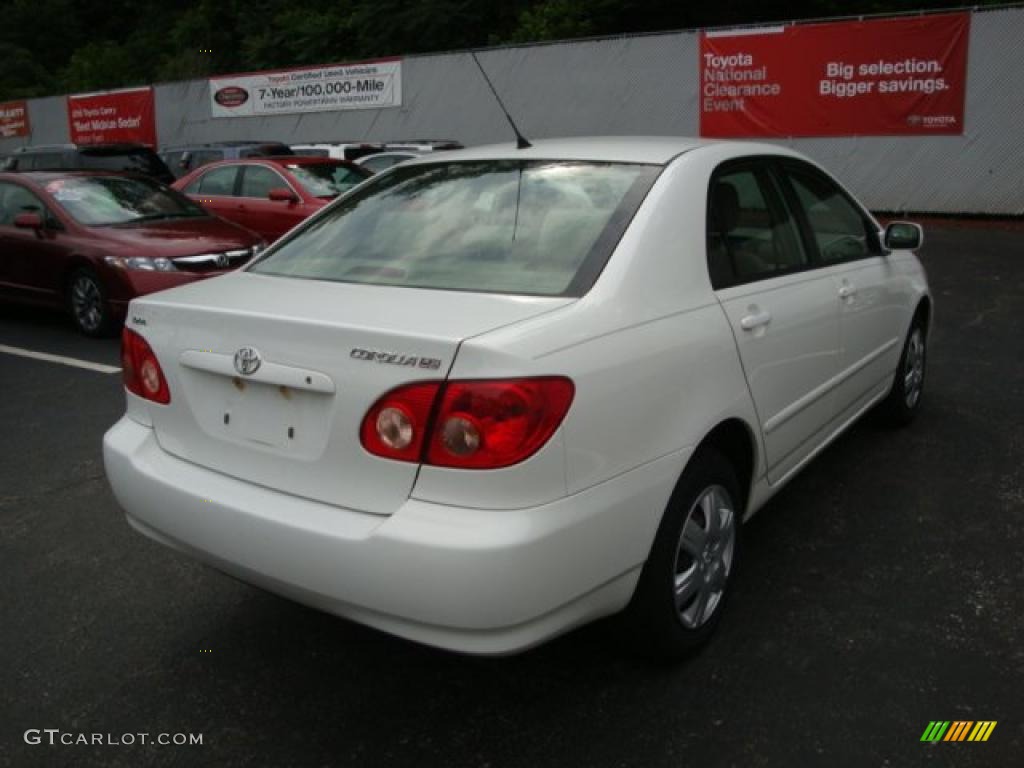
{"points": [[490, 396]]}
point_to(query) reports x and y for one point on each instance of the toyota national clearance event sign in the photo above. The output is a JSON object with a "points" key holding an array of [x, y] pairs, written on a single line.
{"points": [[13, 119], [113, 116], [863, 78], [367, 85]]}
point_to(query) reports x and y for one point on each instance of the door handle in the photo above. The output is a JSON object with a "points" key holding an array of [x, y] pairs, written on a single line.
{"points": [[846, 291], [756, 320]]}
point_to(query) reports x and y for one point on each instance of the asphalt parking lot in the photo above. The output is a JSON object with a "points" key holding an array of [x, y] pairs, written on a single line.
{"points": [[883, 589]]}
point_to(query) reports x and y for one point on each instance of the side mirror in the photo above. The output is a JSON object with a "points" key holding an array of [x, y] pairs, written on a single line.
{"points": [[283, 195], [28, 221], [903, 236]]}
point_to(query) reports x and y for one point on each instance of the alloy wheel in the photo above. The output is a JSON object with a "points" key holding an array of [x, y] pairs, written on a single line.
{"points": [[704, 556], [913, 368], [87, 302]]}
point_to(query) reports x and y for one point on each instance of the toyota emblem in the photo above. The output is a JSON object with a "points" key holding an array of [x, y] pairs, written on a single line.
{"points": [[247, 360]]}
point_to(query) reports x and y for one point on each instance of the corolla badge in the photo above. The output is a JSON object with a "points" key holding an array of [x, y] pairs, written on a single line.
{"points": [[248, 360]]}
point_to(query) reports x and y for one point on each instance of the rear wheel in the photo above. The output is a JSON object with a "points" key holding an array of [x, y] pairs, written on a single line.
{"points": [[87, 302], [685, 582], [904, 400]]}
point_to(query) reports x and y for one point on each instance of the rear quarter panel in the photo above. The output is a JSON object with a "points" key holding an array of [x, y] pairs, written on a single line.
{"points": [[648, 348]]}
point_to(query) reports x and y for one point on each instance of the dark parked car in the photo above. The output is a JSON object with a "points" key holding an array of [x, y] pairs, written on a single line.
{"points": [[271, 195], [186, 158], [92, 241], [132, 158]]}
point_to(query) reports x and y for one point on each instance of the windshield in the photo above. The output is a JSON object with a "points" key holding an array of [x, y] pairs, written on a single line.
{"points": [[98, 201], [498, 226], [326, 179]]}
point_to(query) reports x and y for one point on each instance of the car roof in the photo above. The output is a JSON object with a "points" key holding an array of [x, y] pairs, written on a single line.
{"points": [[403, 152], [302, 160], [104, 147], [41, 178], [655, 150], [352, 143], [276, 160], [219, 145]]}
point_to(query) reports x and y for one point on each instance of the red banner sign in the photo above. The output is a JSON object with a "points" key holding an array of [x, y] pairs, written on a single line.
{"points": [[882, 77], [13, 119], [100, 118]]}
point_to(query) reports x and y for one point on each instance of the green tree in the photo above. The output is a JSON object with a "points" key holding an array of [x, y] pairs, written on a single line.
{"points": [[100, 65]]}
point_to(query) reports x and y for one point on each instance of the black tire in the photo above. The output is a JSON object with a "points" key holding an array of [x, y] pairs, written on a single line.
{"points": [[903, 403], [653, 623], [87, 303]]}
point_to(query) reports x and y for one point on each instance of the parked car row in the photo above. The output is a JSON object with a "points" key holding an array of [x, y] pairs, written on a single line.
{"points": [[446, 455], [90, 241], [88, 228], [173, 162], [186, 158], [270, 195]]}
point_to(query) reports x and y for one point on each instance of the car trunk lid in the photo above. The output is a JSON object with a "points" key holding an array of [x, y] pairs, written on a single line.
{"points": [[327, 351]]}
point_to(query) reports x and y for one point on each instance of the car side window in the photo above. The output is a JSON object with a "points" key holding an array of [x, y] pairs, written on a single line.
{"points": [[218, 181], [175, 161], [204, 156], [751, 235], [257, 181], [42, 161], [15, 199], [838, 228], [377, 164]]}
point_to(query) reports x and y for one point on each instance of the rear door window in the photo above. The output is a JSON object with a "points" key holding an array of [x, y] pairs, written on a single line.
{"points": [[257, 181], [217, 181], [751, 235]]}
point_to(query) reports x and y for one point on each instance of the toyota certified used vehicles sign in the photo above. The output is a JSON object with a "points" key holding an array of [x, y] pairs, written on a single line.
{"points": [[366, 85]]}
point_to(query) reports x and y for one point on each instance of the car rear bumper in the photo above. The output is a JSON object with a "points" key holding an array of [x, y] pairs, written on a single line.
{"points": [[476, 581]]}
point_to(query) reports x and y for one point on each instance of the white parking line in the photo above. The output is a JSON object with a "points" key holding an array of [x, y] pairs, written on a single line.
{"points": [[59, 359]]}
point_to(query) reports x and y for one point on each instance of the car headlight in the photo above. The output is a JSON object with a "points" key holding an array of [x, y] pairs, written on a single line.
{"points": [[142, 263]]}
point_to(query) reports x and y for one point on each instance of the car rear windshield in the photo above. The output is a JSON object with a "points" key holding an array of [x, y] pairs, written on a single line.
{"points": [[136, 160], [497, 226], [327, 179], [98, 201]]}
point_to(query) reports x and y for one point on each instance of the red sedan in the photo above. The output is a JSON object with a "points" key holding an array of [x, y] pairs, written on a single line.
{"points": [[270, 195], [91, 241]]}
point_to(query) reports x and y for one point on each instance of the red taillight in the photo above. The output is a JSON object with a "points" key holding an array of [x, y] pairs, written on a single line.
{"points": [[396, 425], [141, 370], [483, 424]]}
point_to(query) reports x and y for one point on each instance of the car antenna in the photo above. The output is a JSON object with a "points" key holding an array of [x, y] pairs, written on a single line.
{"points": [[521, 142]]}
